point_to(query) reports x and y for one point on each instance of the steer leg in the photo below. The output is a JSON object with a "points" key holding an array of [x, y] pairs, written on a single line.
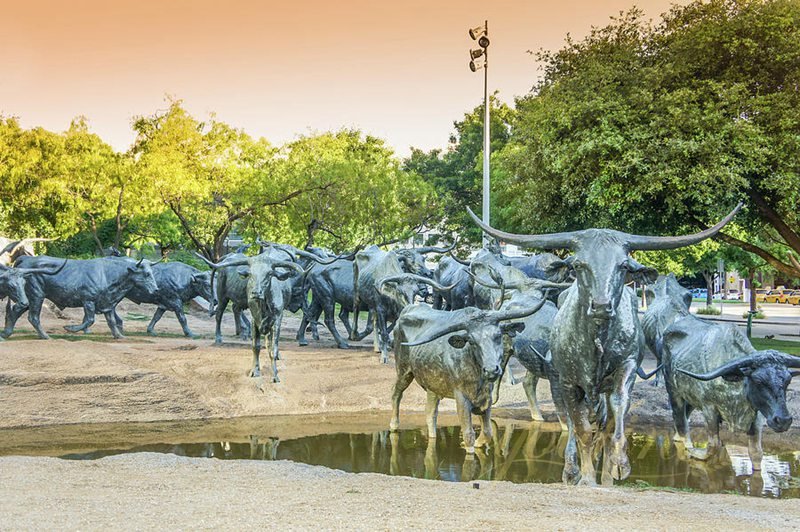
{"points": [[344, 317], [464, 409], [273, 337], [157, 316], [404, 378], [111, 320], [376, 341], [529, 385], [34, 317], [431, 413], [619, 401], [119, 322], [182, 320], [383, 331], [580, 434], [222, 304], [88, 318], [255, 371], [754, 442], [13, 313], [311, 314], [485, 439], [712, 419], [330, 323]]}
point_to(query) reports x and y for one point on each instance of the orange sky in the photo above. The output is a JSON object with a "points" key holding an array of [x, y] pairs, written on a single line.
{"points": [[276, 68]]}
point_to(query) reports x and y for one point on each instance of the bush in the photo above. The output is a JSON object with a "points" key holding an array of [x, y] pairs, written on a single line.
{"points": [[710, 311], [758, 315]]}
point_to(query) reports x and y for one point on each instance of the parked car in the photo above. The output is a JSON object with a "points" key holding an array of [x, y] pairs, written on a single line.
{"points": [[775, 296], [793, 297], [732, 295], [761, 294], [699, 293]]}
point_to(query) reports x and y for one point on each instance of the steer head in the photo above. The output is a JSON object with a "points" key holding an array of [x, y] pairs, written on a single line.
{"points": [[142, 275], [12, 281], [482, 333], [201, 285], [766, 376], [261, 272], [601, 258], [401, 289]]}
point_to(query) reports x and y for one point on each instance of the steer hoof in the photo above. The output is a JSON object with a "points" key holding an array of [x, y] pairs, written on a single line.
{"points": [[302, 343], [151, 332], [343, 345], [275, 379], [255, 372], [585, 481], [482, 441]]}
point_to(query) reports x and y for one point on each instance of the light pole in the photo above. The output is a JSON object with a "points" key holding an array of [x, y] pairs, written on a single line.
{"points": [[481, 34]]}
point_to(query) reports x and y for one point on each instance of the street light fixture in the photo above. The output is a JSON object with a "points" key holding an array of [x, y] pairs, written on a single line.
{"points": [[481, 34]]}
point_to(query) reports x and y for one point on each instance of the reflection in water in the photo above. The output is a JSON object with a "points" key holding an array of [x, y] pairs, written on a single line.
{"points": [[520, 453]]}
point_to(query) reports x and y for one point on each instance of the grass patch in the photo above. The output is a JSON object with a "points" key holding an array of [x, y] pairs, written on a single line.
{"points": [[709, 311], [135, 316], [643, 485], [787, 346]]}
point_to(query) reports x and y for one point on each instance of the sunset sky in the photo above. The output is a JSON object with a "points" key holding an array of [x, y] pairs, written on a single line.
{"points": [[278, 69]]}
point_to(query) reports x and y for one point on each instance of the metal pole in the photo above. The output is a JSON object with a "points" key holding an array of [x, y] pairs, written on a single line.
{"points": [[486, 138]]}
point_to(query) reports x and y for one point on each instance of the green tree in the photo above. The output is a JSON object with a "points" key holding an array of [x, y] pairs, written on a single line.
{"points": [[457, 173], [211, 176], [356, 193], [663, 128]]}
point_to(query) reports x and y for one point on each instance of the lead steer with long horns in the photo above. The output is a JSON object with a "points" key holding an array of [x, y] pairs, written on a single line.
{"points": [[457, 354], [713, 367], [596, 341]]}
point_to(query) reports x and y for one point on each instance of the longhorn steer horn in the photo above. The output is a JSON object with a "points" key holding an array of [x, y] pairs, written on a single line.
{"points": [[634, 242], [546, 241], [645, 376], [652, 243], [45, 271], [418, 278], [433, 249]]}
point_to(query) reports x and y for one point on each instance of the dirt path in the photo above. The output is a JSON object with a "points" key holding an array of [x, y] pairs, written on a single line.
{"points": [[148, 491]]}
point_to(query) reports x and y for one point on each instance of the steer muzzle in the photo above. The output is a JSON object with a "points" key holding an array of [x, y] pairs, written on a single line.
{"points": [[601, 309], [492, 374], [780, 423]]}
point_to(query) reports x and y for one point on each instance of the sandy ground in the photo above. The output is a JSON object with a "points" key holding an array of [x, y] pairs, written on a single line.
{"points": [[149, 491], [95, 379]]}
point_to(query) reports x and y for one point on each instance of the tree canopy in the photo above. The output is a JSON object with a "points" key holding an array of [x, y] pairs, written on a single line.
{"points": [[663, 128]]}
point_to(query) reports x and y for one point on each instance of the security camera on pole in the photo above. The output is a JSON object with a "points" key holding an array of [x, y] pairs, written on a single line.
{"points": [[481, 34]]}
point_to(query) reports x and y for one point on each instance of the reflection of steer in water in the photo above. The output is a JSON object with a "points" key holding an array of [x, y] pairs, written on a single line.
{"points": [[714, 367], [269, 289], [97, 285], [457, 354], [596, 341]]}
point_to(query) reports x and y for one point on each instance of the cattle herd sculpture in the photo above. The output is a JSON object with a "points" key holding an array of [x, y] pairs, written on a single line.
{"points": [[572, 321]]}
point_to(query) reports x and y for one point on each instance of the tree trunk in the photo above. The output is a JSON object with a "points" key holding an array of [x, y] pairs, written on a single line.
{"points": [[709, 277], [95, 237]]}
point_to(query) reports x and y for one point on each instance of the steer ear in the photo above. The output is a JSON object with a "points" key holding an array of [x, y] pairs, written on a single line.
{"points": [[640, 273], [458, 340], [243, 271], [512, 329]]}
